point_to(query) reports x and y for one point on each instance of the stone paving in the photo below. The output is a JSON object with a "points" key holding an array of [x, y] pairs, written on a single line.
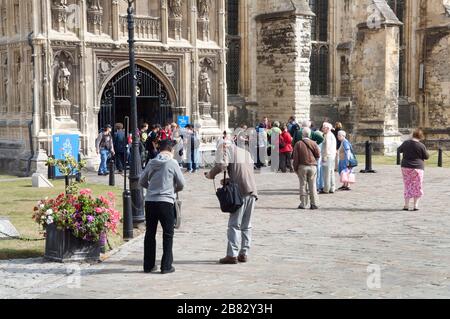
{"points": [[335, 252]]}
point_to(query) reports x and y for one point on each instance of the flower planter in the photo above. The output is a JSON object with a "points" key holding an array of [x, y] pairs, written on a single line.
{"points": [[62, 246]]}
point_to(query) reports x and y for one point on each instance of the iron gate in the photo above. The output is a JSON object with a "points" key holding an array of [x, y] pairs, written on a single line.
{"points": [[148, 86]]}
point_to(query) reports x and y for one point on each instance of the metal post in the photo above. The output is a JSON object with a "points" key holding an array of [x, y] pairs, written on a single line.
{"points": [[127, 207], [112, 175], [440, 157], [135, 165], [369, 168]]}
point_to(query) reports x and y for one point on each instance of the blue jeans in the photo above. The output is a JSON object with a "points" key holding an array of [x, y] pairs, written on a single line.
{"points": [[320, 178], [104, 154], [192, 166]]}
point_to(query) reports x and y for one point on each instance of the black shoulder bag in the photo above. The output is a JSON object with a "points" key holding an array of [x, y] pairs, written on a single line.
{"points": [[229, 196]]}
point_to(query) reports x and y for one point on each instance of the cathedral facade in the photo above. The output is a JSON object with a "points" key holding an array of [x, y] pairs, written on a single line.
{"points": [[65, 70], [381, 67]]}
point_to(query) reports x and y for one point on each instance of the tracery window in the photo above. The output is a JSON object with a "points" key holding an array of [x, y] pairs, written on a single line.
{"points": [[234, 47], [320, 48], [398, 6]]}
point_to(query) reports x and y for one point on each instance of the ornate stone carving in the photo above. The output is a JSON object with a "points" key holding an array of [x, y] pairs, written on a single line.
{"points": [[63, 81], [59, 15], [95, 4], [168, 68], [176, 8], [175, 19], [95, 17], [4, 21], [203, 19], [203, 7], [104, 68], [63, 62], [205, 88]]}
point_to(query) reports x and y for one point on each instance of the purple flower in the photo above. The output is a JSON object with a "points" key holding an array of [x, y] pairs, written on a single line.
{"points": [[90, 218]]}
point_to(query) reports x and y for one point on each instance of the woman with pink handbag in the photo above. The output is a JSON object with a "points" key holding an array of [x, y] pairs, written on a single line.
{"points": [[345, 155]]}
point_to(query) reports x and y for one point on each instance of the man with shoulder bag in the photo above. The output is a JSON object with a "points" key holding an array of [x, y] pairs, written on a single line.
{"points": [[238, 163]]}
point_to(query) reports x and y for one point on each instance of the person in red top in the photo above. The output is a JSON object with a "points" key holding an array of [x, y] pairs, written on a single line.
{"points": [[286, 150], [166, 133]]}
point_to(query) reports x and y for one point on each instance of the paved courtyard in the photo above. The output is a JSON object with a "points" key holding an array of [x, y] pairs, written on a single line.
{"points": [[360, 244]]}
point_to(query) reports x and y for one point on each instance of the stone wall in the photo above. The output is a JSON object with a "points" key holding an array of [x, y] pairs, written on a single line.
{"points": [[282, 71], [437, 79], [374, 76]]}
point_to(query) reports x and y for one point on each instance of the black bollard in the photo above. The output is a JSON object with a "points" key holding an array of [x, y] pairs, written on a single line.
{"points": [[369, 168], [127, 216], [440, 157], [112, 176], [399, 157]]}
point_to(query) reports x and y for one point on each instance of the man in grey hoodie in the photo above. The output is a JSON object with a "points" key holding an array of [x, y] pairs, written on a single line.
{"points": [[163, 179]]}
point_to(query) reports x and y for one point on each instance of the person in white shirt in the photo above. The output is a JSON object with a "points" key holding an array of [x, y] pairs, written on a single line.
{"points": [[328, 159]]}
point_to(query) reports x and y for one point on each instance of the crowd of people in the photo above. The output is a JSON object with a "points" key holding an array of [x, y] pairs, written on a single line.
{"points": [[314, 154], [117, 145]]}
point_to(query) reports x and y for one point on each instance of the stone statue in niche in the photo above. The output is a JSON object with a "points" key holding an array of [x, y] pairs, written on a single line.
{"points": [[205, 85], [176, 8], [203, 8], [63, 82]]}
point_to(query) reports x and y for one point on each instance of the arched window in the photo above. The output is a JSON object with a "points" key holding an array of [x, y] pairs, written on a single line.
{"points": [[320, 47], [398, 6], [234, 47]]}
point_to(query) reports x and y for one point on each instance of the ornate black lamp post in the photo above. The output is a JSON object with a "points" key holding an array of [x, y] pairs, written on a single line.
{"points": [[135, 165]]}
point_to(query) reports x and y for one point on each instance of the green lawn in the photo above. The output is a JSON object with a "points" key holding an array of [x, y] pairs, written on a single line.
{"points": [[7, 177], [17, 201], [392, 160]]}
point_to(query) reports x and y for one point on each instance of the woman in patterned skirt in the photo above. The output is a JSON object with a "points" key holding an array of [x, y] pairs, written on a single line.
{"points": [[413, 166]]}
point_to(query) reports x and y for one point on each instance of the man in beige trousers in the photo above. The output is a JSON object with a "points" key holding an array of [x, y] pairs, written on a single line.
{"points": [[239, 164], [306, 154]]}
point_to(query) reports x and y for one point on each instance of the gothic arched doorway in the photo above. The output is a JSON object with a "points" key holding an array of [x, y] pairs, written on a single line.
{"points": [[153, 101]]}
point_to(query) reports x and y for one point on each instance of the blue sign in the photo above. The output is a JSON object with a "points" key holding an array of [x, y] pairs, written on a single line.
{"points": [[65, 144], [183, 121]]}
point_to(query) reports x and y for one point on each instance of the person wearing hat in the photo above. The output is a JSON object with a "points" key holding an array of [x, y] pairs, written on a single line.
{"points": [[105, 148]]}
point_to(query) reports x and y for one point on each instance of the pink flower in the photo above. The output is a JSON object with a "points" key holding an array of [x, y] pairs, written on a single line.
{"points": [[86, 192], [99, 210]]}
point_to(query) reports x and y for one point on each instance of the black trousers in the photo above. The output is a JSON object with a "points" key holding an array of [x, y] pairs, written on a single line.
{"points": [[285, 162], [120, 161], [165, 214]]}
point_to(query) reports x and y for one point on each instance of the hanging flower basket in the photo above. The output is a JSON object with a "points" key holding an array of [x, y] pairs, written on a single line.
{"points": [[75, 225]]}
